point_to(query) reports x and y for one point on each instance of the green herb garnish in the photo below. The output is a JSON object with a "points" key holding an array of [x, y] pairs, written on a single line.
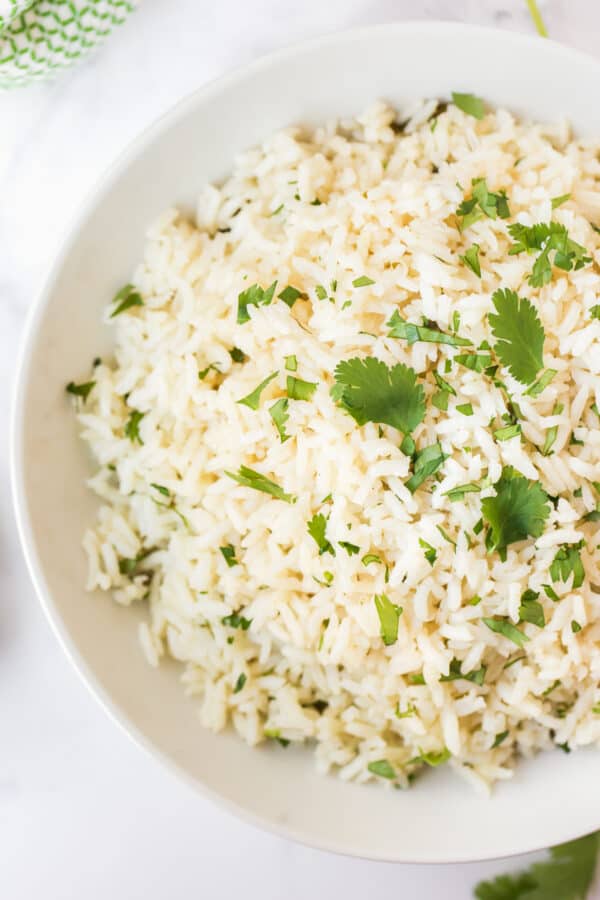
{"points": [[517, 511], [234, 620], [520, 335], [132, 426], [389, 616], [252, 400], [502, 625], [228, 553], [531, 610], [351, 549], [290, 294], [568, 562], [362, 281], [297, 389], [258, 482], [382, 768], [426, 463], [482, 202], [316, 528], [370, 391], [124, 299], [241, 681], [279, 414], [470, 104], [253, 296], [476, 676], [458, 493], [471, 259], [546, 238], [413, 333], [291, 363], [430, 552], [80, 390]]}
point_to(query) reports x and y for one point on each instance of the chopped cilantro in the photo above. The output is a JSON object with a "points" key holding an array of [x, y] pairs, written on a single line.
{"points": [[290, 294], [291, 363], [417, 679], [568, 562], [430, 552], [389, 615], [458, 493], [426, 463], [124, 299], [316, 528], [241, 681], [595, 311], [228, 552], [541, 384], [434, 758], [234, 620], [502, 625], [297, 389], [252, 400], [132, 426], [546, 238], [482, 202], [369, 558], [253, 296], [399, 328], [351, 549], [499, 739], [508, 432], [558, 201], [471, 259], [382, 768], [362, 281], [373, 392], [321, 292], [477, 362], [531, 610], [237, 355], [409, 711], [470, 104], [518, 510], [476, 676], [161, 489], [80, 390], [204, 372], [279, 414], [258, 482], [551, 593], [465, 408]]}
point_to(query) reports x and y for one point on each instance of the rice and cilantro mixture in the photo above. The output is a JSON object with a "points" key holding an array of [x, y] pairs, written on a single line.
{"points": [[348, 444]]}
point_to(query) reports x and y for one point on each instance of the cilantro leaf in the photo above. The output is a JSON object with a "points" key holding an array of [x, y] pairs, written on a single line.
{"points": [[517, 511], [458, 493], [502, 625], [413, 333], [477, 362], [80, 390], [228, 553], [389, 615], [567, 874], [237, 355], [470, 104], [476, 676], [595, 311], [373, 392], [362, 281], [297, 389], [369, 558], [124, 299], [132, 426], [531, 610], [545, 238], [291, 363], [290, 294], [471, 259], [520, 335], [382, 768], [258, 482], [558, 201], [241, 681], [482, 202], [279, 414], [252, 400], [351, 549], [235, 620], [506, 887], [316, 528], [568, 562], [541, 384], [430, 552], [426, 462], [253, 296], [434, 758]]}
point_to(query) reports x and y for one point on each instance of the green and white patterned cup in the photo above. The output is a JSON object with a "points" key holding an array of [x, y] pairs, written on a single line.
{"points": [[39, 38]]}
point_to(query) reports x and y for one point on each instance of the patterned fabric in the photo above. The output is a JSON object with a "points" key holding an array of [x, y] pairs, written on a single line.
{"points": [[41, 37]]}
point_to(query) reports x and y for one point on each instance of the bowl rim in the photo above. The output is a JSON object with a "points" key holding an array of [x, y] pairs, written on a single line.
{"points": [[69, 236]]}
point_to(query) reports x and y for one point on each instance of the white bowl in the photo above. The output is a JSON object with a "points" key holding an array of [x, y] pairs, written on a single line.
{"points": [[552, 798]]}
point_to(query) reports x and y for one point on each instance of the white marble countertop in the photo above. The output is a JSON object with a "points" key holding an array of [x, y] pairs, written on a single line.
{"points": [[83, 812]]}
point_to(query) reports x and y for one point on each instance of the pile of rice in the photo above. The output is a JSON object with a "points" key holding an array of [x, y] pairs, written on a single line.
{"points": [[364, 199]]}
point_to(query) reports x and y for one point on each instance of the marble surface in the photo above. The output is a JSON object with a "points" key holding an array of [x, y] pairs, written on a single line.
{"points": [[84, 813]]}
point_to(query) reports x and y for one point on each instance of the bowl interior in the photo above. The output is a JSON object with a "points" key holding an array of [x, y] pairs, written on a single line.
{"points": [[550, 799]]}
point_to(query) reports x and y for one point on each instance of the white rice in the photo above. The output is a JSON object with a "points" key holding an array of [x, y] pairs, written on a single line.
{"points": [[387, 212]]}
